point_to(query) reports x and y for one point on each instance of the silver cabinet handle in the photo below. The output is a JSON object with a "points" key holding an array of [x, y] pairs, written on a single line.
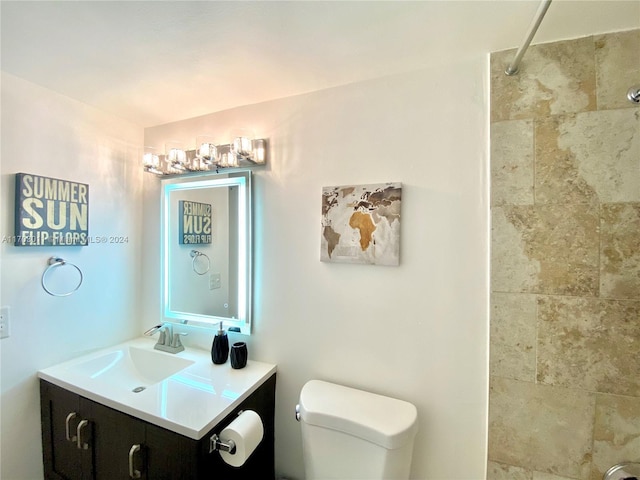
{"points": [[133, 473], [67, 429], [81, 445]]}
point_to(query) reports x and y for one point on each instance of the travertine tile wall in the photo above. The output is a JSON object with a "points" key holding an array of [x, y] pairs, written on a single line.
{"points": [[565, 321]]}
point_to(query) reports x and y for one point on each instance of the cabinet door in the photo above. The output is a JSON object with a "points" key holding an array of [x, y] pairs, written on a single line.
{"points": [[61, 414], [115, 434], [170, 456]]}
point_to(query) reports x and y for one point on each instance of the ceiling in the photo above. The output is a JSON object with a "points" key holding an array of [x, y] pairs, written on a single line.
{"points": [[154, 62]]}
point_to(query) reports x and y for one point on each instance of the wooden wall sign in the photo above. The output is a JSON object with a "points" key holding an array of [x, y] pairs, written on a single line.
{"points": [[195, 223], [50, 212]]}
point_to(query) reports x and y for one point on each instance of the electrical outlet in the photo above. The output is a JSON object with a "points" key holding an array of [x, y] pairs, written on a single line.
{"points": [[4, 322]]}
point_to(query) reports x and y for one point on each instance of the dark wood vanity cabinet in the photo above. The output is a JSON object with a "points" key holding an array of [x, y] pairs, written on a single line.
{"points": [[113, 445], [60, 412]]}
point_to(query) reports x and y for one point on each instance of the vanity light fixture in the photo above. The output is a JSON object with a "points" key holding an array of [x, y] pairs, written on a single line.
{"points": [[206, 157]]}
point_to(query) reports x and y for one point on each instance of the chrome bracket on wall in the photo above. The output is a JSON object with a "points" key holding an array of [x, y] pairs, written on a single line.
{"points": [[623, 471], [216, 444]]}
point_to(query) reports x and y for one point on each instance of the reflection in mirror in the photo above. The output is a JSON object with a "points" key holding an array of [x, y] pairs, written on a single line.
{"points": [[206, 251]]}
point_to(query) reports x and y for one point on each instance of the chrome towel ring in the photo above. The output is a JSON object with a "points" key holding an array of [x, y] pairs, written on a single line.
{"points": [[59, 262], [195, 254]]}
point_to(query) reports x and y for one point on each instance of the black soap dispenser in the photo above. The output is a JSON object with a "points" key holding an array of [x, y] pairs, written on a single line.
{"points": [[220, 347]]}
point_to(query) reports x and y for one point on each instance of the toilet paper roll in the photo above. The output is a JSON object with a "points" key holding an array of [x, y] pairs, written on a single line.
{"points": [[246, 431]]}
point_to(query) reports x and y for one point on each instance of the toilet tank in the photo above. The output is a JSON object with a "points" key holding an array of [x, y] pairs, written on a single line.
{"points": [[353, 434]]}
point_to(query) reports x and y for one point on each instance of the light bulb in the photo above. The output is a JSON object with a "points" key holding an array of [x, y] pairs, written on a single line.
{"points": [[242, 146], [151, 160], [207, 150]]}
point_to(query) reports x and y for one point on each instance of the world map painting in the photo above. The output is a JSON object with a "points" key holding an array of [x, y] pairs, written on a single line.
{"points": [[361, 224]]}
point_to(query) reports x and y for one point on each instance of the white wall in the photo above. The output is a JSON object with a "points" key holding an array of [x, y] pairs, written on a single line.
{"points": [[51, 135], [418, 331]]}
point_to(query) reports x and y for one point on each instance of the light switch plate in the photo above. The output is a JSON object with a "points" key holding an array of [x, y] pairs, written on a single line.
{"points": [[215, 281], [4, 322]]}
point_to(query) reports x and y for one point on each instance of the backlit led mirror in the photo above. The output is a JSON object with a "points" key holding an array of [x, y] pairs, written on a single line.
{"points": [[206, 251]]}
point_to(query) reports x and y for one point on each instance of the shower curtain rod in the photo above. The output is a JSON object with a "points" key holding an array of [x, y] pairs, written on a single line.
{"points": [[512, 69]]}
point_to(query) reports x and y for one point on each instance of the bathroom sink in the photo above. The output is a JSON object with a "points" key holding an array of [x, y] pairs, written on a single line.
{"points": [[182, 392], [130, 365]]}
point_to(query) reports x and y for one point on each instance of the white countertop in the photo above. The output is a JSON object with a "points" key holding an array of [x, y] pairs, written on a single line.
{"points": [[190, 402]]}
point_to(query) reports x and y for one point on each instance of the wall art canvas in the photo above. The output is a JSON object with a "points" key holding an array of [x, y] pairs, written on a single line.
{"points": [[194, 227], [361, 224], [50, 212]]}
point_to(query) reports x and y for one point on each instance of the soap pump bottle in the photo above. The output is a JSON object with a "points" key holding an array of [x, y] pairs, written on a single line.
{"points": [[220, 347]]}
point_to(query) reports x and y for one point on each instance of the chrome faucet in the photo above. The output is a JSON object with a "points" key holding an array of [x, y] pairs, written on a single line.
{"points": [[168, 341]]}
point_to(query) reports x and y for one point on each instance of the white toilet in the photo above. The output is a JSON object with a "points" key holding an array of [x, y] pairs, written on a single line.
{"points": [[349, 434]]}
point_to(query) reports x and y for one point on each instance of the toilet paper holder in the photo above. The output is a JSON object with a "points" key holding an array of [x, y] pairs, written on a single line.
{"points": [[216, 444]]}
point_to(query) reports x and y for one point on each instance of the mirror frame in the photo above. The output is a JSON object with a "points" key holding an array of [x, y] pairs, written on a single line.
{"points": [[242, 180]]}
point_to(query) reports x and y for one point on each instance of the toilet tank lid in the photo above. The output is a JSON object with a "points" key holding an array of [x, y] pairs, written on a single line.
{"points": [[385, 421]]}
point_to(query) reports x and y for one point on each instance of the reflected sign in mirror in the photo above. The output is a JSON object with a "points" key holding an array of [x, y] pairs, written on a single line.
{"points": [[206, 251]]}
